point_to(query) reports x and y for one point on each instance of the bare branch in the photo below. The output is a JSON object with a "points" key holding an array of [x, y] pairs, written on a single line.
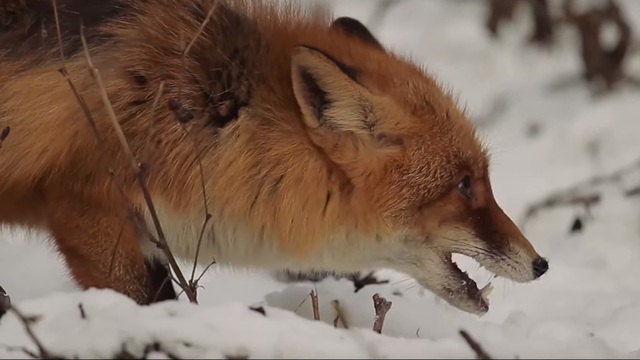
{"points": [[213, 262], [475, 346], [499, 11], [139, 169], [26, 322], [575, 195], [339, 315], [83, 314], [543, 23], [600, 63], [381, 306], [207, 214], [314, 305], [200, 29]]}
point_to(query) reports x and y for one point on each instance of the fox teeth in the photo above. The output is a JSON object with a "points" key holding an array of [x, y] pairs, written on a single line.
{"points": [[486, 291]]}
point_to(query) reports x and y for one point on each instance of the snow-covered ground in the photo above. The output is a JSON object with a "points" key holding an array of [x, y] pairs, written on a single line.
{"points": [[546, 131]]}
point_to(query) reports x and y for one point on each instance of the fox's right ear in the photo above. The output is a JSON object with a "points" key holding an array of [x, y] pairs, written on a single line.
{"points": [[327, 92]]}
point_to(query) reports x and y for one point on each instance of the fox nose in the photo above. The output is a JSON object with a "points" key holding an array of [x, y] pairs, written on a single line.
{"points": [[540, 266]]}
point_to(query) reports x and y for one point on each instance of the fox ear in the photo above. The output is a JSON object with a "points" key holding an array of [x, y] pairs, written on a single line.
{"points": [[327, 91], [355, 28]]}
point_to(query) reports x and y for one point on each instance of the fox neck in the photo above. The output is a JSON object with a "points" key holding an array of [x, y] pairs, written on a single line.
{"points": [[269, 213]]}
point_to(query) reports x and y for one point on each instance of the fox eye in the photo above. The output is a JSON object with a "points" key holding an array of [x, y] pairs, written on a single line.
{"points": [[464, 186]]}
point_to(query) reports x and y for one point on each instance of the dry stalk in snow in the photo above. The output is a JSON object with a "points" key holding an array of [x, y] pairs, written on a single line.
{"points": [[475, 346], [339, 315], [599, 62], [580, 195], [43, 353], [314, 305], [190, 287], [381, 306]]}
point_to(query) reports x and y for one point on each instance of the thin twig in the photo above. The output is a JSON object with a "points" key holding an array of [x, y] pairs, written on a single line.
{"points": [[200, 29], [381, 306], [154, 107], [139, 170], [475, 346], [112, 262], [572, 195], [83, 314], [213, 262], [207, 214], [26, 322], [314, 305], [339, 315]]}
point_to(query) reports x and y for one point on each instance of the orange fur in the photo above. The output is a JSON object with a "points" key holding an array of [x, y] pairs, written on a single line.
{"points": [[318, 166]]}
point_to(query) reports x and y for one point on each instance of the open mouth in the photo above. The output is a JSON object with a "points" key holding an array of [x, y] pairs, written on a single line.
{"points": [[463, 292]]}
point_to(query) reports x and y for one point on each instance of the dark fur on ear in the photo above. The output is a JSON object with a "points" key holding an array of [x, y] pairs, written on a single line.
{"points": [[356, 29]]}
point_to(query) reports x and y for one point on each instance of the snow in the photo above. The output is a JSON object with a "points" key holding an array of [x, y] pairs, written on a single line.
{"points": [[586, 306]]}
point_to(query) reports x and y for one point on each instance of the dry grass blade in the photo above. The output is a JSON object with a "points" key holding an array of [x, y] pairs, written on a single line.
{"points": [[475, 346], [207, 215], [314, 305], [575, 195], [154, 107], [200, 29], [43, 353], [141, 175], [161, 242]]}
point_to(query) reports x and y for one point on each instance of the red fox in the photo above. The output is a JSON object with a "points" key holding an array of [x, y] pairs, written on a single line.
{"points": [[319, 147]]}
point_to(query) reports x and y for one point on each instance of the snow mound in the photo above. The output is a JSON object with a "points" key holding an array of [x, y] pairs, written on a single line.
{"points": [[105, 324]]}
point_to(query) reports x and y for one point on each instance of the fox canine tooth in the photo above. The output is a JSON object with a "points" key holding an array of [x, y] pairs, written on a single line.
{"points": [[486, 291]]}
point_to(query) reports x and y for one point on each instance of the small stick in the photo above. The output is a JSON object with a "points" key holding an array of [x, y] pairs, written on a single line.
{"points": [[314, 305], [200, 29], [475, 346], [382, 306], [140, 173], [161, 242], [339, 314], [26, 322], [574, 195], [83, 314]]}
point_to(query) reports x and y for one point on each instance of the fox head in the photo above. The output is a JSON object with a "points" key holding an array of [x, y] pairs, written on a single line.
{"points": [[416, 164]]}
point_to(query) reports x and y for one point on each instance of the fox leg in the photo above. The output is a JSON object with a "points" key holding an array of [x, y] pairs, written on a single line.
{"points": [[101, 247]]}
